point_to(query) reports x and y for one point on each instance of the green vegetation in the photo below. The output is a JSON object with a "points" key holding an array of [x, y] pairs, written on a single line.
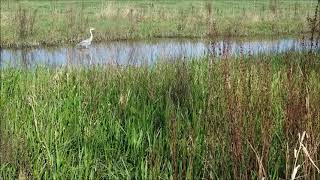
{"points": [[54, 22], [208, 118]]}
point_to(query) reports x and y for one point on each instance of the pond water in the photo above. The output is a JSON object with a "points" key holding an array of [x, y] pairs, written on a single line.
{"points": [[142, 52]]}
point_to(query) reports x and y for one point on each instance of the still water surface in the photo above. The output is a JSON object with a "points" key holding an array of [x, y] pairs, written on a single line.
{"points": [[142, 52]]}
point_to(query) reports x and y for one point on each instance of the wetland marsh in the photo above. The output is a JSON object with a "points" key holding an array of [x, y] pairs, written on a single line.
{"points": [[167, 90]]}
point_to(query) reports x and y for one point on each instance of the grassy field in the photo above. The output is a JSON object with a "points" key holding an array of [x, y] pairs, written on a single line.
{"points": [[205, 118], [58, 22]]}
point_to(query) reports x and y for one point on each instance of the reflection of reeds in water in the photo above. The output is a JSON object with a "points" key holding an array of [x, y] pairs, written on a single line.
{"points": [[141, 53], [131, 56], [25, 61], [70, 55]]}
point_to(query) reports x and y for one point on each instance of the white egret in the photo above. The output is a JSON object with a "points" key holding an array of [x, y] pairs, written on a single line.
{"points": [[87, 42]]}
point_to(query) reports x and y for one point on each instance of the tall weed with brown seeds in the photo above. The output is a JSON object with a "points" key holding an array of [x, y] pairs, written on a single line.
{"points": [[235, 121], [26, 20]]}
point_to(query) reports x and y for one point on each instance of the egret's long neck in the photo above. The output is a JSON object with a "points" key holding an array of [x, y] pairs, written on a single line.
{"points": [[91, 36]]}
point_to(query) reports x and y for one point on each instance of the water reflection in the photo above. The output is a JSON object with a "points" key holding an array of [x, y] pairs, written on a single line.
{"points": [[140, 52]]}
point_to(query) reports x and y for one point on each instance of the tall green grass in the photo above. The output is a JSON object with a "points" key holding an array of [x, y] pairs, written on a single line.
{"points": [[206, 118]]}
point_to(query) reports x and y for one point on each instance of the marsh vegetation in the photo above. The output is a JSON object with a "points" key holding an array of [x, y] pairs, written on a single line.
{"points": [[215, 116], [209, 119]]}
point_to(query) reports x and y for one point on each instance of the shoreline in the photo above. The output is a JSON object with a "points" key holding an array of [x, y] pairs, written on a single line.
{"points": [[38, 44]]}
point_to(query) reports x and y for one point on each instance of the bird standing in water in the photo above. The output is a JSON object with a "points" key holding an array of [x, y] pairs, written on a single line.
{"points": [[87, 42]]}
